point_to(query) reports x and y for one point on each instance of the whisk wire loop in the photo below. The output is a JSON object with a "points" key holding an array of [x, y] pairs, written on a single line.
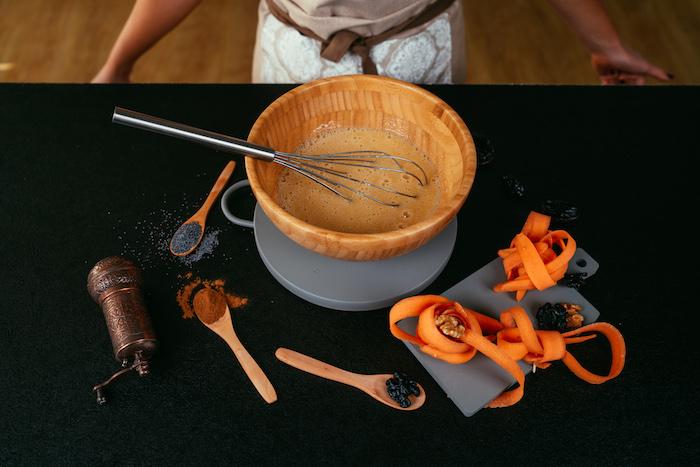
{"points": [[362, 157], [316, 178], [308, 165]]}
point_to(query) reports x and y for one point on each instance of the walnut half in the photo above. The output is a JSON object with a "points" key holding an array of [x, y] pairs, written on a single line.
{"points": [[575, 320], [450, 326]]}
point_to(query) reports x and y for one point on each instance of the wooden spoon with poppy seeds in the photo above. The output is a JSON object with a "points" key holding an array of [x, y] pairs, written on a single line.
{"points": [[211, 308], [188, 236]]}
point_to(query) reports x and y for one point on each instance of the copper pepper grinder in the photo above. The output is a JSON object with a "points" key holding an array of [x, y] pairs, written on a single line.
{"points": [[116, 284]]}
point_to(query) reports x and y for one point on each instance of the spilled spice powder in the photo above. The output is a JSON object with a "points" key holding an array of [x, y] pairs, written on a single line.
{"points": [[209, 305], [185, 296]]}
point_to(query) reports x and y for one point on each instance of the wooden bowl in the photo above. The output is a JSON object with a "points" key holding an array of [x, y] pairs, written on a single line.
{"points": [[368, 102]]}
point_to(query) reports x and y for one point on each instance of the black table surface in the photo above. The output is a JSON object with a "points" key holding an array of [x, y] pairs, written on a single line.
{"points": [[75, 188]]}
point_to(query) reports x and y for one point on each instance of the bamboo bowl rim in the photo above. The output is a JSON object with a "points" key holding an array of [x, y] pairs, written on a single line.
{"points": [[403, 240]]}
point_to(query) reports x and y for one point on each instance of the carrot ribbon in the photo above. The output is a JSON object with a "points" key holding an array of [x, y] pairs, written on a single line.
{"points": [[531, 261], [504, 341]]}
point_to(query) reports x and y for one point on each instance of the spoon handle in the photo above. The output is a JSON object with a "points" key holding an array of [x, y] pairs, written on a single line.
{"points": [[250, 366], [216, 189], [322, 369]]}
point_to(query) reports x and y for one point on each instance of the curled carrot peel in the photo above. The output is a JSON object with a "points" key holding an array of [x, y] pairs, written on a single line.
{"points": [[408, 307], [505, 341], [520, 338], [541, 348], [536, 225], [462, 346], [429, 336], [617, 346], [531, 261]]}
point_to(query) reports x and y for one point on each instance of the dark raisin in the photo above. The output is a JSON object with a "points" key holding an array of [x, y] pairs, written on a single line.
{"points": [[575, 280], [484, 149], [561, 211], [400, 387], [408, 383], [401, 377], [513, 186], [552, 317]]}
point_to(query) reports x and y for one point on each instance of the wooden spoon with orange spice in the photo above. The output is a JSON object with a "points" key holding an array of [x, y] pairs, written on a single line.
{"points": [[211, 308]]}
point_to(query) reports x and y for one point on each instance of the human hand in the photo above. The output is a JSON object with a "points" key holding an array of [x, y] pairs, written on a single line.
{"points": [[105, 76], [625, 66]]}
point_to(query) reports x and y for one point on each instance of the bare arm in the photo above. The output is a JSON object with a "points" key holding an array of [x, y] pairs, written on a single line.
{"points": [[148, 22], [614, 62]]}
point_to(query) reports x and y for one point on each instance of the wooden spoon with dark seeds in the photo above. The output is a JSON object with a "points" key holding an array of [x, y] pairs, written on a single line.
{"points": [[374, 385], [188, 236]]}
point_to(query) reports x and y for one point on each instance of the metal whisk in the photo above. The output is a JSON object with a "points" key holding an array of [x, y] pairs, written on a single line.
{"points": [[324, 169]]}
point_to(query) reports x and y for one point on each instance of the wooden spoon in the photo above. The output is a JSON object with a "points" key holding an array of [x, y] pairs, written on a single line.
{"points": [[374, 385], [211, 308], [190, 233]]}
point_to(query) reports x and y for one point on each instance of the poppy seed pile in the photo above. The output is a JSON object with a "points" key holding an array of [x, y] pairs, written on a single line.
{"points": [[147, 241], [186, 238]]}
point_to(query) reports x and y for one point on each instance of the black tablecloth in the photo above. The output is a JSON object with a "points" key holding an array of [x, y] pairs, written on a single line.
{"points": [[76, 188]]}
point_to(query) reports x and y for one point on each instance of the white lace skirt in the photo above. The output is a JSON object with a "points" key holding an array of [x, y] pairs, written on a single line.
{"points": [[433, 53]]}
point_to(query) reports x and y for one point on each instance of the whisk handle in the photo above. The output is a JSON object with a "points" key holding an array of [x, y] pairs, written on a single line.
{"points": [[195, 135]]}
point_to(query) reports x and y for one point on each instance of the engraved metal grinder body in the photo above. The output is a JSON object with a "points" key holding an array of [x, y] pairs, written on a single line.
{"points": [[116, 284]]}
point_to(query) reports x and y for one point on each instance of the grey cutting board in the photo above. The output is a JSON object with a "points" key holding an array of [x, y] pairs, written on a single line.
{"points": [[474, 384]]}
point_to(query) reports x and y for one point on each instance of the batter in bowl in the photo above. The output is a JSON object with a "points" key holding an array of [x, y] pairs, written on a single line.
{"points": [[308, 201]]}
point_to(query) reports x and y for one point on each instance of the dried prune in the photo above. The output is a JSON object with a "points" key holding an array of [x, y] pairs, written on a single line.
{"points": [[575, 280], [484, 149], [513, 186], [560, 210]]}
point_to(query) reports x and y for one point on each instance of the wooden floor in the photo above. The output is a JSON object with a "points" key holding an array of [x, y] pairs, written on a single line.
{"points": [[516, 41]]}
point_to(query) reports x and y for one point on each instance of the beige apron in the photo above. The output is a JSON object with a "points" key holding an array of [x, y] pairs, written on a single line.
{"points": [[421, 52]]}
